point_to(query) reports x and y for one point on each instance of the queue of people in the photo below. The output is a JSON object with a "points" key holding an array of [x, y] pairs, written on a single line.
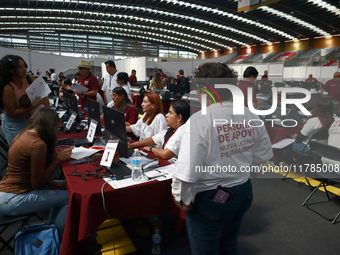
{"points": [[215, 202]]}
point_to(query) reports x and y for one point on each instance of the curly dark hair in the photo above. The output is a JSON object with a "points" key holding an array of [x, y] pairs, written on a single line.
{"points": [[214, 70], [7, 63], [205, 72], [324, 111]]}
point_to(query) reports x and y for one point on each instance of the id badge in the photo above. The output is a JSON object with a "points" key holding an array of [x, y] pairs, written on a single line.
{"points": [[222, 195]]}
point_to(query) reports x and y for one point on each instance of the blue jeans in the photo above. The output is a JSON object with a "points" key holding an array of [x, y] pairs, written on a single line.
{"points": [[13, 204], [299, 147], [12, 126], [213, 227]]}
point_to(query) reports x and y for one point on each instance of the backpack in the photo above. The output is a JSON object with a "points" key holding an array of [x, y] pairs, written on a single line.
{"points": [[38, 239]]}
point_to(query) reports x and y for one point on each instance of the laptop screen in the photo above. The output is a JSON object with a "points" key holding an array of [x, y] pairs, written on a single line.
{"points": [[73, 104], [94, 113], [65, 98], [115, 129]]}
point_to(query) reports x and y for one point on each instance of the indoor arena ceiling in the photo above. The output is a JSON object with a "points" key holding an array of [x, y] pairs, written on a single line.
{"points": [[186, 25]]}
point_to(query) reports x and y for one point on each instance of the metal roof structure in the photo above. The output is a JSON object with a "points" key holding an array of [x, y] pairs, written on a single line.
{"points": [[143, 27]]}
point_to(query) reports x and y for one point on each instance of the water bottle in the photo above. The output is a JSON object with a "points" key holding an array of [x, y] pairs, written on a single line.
{"points": [[156, 242], [136, 161]]}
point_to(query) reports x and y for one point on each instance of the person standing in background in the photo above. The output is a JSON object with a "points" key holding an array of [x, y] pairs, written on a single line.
{"points": [[249, 78], [333, 87], [109, 81], [13, 84], [311, 79], [162, 75], [89, 81], [54, 77], [265, 76], [133, 78]]}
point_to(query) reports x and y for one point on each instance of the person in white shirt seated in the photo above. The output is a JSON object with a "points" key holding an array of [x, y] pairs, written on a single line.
{"points": [[169, 140], [322, 117], [334, 138], [153, 121], [122, 81]]}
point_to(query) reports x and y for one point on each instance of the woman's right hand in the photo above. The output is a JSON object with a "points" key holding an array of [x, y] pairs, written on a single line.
{"points": [[131, 145], [37, 102], [65, 154]]}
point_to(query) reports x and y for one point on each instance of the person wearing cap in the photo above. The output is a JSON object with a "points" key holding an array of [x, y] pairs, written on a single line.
{"points": [[88, 80], [109, 81]]}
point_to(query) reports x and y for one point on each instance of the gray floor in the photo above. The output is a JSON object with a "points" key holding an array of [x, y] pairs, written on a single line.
{"points": [[276, 223]]}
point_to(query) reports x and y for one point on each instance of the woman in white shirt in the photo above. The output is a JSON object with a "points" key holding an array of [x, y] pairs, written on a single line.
{"points": [[153, 121], [169, 140]]}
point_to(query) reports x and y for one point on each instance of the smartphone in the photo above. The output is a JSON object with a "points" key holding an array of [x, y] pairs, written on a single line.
{"points": [[221, 195]]}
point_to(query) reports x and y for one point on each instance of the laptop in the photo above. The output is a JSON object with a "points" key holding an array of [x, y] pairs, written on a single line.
{"points": [[115, 129]]}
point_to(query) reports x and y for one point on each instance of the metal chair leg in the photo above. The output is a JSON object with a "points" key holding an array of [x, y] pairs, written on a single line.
{"points": [[311, 194]]}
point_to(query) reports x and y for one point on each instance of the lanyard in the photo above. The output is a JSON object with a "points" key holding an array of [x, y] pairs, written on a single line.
{"points": [[145, 124], [110, 80], [166, 141]]}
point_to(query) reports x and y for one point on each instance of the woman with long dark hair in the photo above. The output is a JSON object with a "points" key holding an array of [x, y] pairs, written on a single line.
{"points": [[169, 140], [153, 121], [123, 104], [31, 162], [13, 84], [157, 82]]}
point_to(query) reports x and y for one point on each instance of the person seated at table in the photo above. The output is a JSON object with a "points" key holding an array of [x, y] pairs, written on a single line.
{"points": [[169, 140], [334, 137], [26, 187], [123, 104], [153, 121], [322, 117]]}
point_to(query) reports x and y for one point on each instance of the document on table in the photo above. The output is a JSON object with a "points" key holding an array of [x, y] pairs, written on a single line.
{"points": [[81, 152], [38, 89], [61, 113], [78, 87], [283, 143], [160, 174]]}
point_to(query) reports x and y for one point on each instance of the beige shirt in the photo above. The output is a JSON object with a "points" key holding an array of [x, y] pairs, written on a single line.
{"points": [[26, 164]]}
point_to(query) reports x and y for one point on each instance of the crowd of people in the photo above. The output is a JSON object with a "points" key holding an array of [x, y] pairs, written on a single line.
{"points": [[215, 201]]}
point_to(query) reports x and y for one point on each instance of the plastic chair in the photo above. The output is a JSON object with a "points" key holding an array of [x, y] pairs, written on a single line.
{"points": [[326, 151], [3, 154]]}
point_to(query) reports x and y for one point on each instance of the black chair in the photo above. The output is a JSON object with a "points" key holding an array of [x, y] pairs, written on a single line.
{"points": [[3, 154], [325, 173], [6, 222], [300, 158]]}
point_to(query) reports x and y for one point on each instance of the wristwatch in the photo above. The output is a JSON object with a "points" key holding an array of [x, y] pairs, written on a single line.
{"points": [[151, 148]]}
